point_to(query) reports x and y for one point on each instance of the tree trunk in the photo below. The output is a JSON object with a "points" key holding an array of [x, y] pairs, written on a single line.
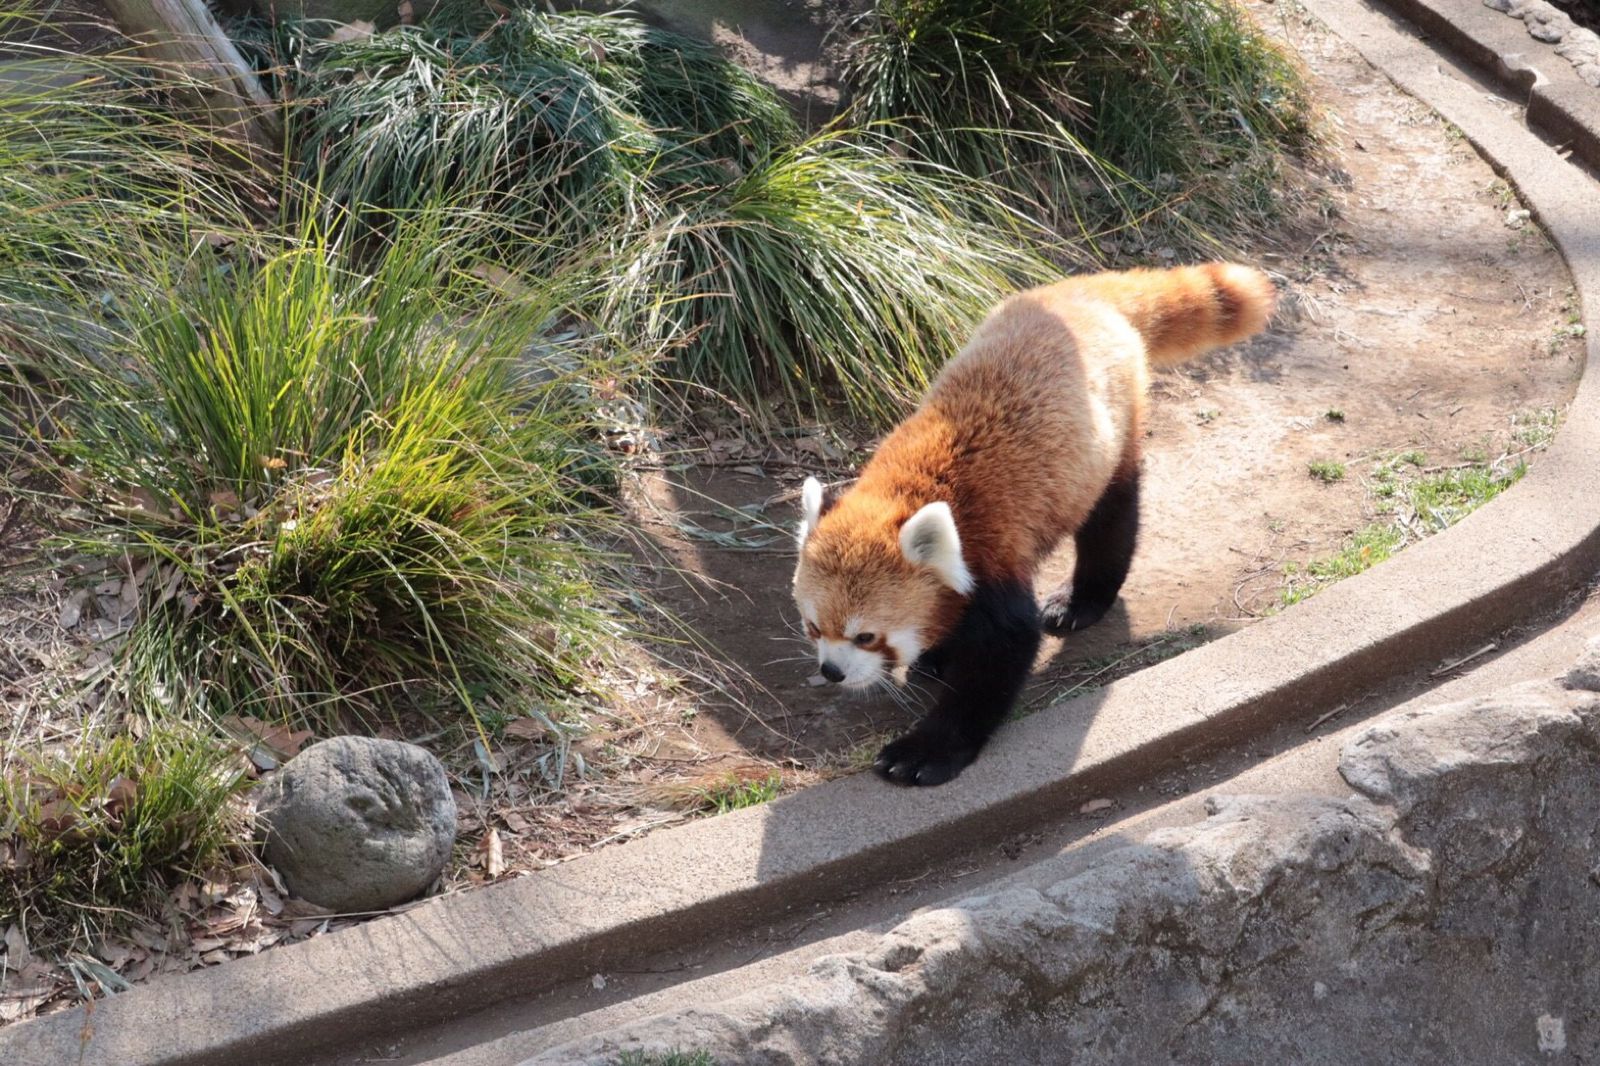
{"points": [[184, 34]]}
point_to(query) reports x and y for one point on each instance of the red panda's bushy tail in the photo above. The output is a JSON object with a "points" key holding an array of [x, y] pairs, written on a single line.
{"points": [[1184, 311]]}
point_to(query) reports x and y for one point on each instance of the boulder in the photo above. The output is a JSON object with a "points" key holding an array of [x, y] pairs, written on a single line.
{"points": [[358, 824], [1585, 673]]}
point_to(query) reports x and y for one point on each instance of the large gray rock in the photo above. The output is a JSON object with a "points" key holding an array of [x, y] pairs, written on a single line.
{"points": [[1585, 673], [1546, 22], [1446, 915], [359, 824]]}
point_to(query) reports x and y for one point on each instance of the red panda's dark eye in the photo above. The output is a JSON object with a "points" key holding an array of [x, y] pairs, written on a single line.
{"points": [[812, 631], [863, 639]]}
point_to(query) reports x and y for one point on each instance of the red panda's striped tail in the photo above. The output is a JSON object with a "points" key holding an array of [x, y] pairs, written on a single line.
{"points": [[1185, 311]]}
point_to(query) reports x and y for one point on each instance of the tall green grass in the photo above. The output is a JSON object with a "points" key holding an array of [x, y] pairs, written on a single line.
{"points": [[821, 270], [832, 269], [92, 162], [1173, 115], [564, 126], [343, 494]]}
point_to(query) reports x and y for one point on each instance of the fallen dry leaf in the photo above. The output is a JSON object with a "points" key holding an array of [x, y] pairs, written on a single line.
{"points": [[57, 817], [526, 728], [358, 30], [119, 795], [271, 901], [20, 998], [270, 744], [72, 608], [491, 854], [16, 945]]}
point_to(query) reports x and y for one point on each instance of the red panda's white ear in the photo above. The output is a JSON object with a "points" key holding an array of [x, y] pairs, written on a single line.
{"points": [[929, 538], [810, 507]]}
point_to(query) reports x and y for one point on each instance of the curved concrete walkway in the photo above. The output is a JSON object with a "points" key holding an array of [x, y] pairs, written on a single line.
{"points": [[1501, 567]]}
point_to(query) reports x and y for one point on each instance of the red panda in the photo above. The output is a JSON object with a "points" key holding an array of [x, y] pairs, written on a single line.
{"points": [[1031, 433]]}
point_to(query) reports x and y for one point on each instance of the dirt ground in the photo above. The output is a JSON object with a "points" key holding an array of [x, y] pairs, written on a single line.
{"points": [[1416, 301]]}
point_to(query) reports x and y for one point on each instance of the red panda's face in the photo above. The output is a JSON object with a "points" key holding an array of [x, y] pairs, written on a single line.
{"points": [[867, 627], [869, 603]]}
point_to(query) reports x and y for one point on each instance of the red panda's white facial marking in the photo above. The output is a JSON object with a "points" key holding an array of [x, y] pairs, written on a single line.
{"points": [[858, 654], [874, 595]]}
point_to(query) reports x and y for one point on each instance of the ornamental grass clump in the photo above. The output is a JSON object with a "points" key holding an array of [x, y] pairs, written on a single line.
{"points": [[90, 161], [563, 127], [833, 270], [93, 836], [819, 269], [1171, 114], [341, 496]]}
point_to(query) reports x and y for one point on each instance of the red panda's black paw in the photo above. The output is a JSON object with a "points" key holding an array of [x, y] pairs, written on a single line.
{"points": [[1062, 612], [924, 759]]}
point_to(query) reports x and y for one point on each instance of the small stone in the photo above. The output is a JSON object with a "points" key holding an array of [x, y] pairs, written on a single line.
{"points": [[357, 823], [1498, 5], [1552, 1034], [1545, 23], [72, 609], [1319, 991], [1590, 73], [1585, 673], [1096, 806]]}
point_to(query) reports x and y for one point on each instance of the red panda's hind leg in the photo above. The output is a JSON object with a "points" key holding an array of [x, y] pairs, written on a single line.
{"points": [[1105, 544]]}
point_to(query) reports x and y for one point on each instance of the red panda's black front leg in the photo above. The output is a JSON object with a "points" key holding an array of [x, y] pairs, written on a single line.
{"points": [[982, 668]]}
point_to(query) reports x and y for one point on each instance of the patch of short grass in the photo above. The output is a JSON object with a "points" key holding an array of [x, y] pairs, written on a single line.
{"points": [[1535, 429], [92, 834], [665, 1058], [735, 792], [1334, 414], [1442, 499], [1364, 549], [1326, 471], [1414, 501]]}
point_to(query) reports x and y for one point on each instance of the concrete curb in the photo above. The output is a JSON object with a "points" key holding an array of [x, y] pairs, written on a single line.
{"points": [[1558, 101], [455, 956]]}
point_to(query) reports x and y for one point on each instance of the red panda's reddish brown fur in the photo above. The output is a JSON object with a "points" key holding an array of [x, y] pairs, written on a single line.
{"points": [[1032, 428], [1183, 312], [1024, 429]]}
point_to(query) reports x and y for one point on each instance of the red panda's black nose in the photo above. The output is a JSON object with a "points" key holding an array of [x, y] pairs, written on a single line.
{"points": [[832, 672]]}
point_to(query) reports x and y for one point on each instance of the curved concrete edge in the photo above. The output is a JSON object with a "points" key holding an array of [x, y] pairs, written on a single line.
{"points": [[1471, 815], [457, 955], [1558, 101]]}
